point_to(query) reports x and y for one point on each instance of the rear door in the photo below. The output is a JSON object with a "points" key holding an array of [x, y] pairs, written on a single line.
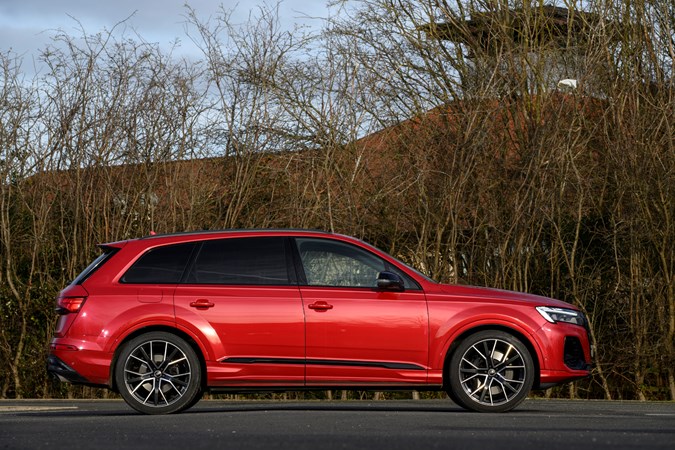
{"points": [[241, 298]]}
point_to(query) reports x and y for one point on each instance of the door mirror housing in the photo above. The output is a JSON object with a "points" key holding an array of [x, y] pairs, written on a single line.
{"points": [[389, 281]]}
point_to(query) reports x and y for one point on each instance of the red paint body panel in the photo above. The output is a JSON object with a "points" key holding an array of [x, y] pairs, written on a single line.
{"points": [[366, 326], [246, 322], [300, 335]]}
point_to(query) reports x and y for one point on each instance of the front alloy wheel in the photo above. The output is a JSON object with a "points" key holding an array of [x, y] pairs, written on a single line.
{"points": [[158, 373], [491, 371]]}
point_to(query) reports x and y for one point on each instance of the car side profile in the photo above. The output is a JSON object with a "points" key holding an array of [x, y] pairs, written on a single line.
{"points": [[163, 319]]}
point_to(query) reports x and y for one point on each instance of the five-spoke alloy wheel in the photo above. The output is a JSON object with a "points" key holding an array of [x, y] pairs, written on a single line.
{"points": [[491, 371], [158, 373]]}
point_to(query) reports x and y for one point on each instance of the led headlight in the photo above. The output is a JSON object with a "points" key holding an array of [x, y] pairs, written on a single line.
{"points": [[554, 315]]}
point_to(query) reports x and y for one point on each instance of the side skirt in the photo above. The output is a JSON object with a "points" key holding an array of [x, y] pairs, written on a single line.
{"points": [[322, 362], [369, 388]]}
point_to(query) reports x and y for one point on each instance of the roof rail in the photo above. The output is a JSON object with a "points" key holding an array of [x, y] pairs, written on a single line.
{"points": [[153, 235]]}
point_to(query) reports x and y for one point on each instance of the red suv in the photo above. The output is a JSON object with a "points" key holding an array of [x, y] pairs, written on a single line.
{"points": [[163, 319]]}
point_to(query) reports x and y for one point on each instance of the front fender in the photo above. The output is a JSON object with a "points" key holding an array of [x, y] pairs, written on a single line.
{"points": [[445, 331]]}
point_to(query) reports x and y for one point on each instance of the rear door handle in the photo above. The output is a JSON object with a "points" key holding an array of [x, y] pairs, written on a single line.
{"points": [[202, 303], [320, 306]]}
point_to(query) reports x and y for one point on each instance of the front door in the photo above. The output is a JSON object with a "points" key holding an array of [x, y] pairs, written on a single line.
{"points": [[357, 334]]}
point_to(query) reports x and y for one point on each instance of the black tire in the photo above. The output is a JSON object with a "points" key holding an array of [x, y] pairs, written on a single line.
{"points": [[490, 371], [158, 373], [198, 397]]}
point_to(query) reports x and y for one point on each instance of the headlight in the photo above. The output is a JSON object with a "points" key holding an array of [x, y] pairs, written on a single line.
{"points": [[554, 315]]}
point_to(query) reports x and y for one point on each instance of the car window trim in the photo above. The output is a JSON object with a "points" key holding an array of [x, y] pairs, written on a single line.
{"points": [[302, 278]]}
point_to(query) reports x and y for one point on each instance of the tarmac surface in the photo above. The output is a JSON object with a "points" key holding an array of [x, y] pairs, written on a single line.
{"points": [[422, 424]]}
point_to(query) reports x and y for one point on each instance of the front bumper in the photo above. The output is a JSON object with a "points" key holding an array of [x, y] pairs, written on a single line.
{"points": [[567, 354]]}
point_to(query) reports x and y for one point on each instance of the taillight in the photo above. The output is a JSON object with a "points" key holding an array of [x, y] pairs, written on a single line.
{"points": [[68, 305]]}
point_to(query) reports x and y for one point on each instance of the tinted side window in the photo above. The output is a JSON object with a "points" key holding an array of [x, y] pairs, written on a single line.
{"points": [[162, 265], [331, 263], [260, 261]]}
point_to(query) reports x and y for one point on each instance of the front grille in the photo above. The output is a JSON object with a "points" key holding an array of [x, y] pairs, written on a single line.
{"points": [[574, 354]]}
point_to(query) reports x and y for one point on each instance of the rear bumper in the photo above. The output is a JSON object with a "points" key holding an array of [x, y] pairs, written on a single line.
{"points": [[79, 362], [64, 373]]}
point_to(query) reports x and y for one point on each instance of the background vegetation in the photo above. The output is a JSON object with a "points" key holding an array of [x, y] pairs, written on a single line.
{"points": [[463, 159]]}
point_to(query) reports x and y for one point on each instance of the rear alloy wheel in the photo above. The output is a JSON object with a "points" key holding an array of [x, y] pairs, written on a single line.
{"points": [[491, 371], [158, 373]]}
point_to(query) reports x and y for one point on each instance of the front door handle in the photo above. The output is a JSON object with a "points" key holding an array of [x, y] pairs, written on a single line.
{"points": [[320, 306], [202, 303]]}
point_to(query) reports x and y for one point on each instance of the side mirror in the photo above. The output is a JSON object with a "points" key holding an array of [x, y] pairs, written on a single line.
{"points": [[389, 281]]}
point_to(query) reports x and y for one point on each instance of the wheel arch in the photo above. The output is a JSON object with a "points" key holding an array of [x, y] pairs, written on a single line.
{"points": [[151, 328], [487, 327]]}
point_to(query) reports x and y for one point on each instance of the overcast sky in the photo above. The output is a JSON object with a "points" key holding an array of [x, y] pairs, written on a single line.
{"points": [[26, 26]]}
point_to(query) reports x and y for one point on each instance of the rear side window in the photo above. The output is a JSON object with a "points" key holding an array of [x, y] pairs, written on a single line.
{"points": [[248, 261], [162, 265]]}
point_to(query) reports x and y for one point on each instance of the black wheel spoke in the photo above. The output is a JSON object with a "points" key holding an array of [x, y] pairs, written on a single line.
{"points": [[507, 385], [147, 358], [177, 381], [487, 353], [483, 392], [169, 358], [136, 380], [155, 394], [508, 362]]}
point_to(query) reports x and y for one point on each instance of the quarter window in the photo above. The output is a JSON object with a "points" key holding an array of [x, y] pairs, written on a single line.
{"points": [[162, 265]]}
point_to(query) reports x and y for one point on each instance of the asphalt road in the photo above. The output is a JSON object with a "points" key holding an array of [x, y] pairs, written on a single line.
{"points": [[390, 425]]}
